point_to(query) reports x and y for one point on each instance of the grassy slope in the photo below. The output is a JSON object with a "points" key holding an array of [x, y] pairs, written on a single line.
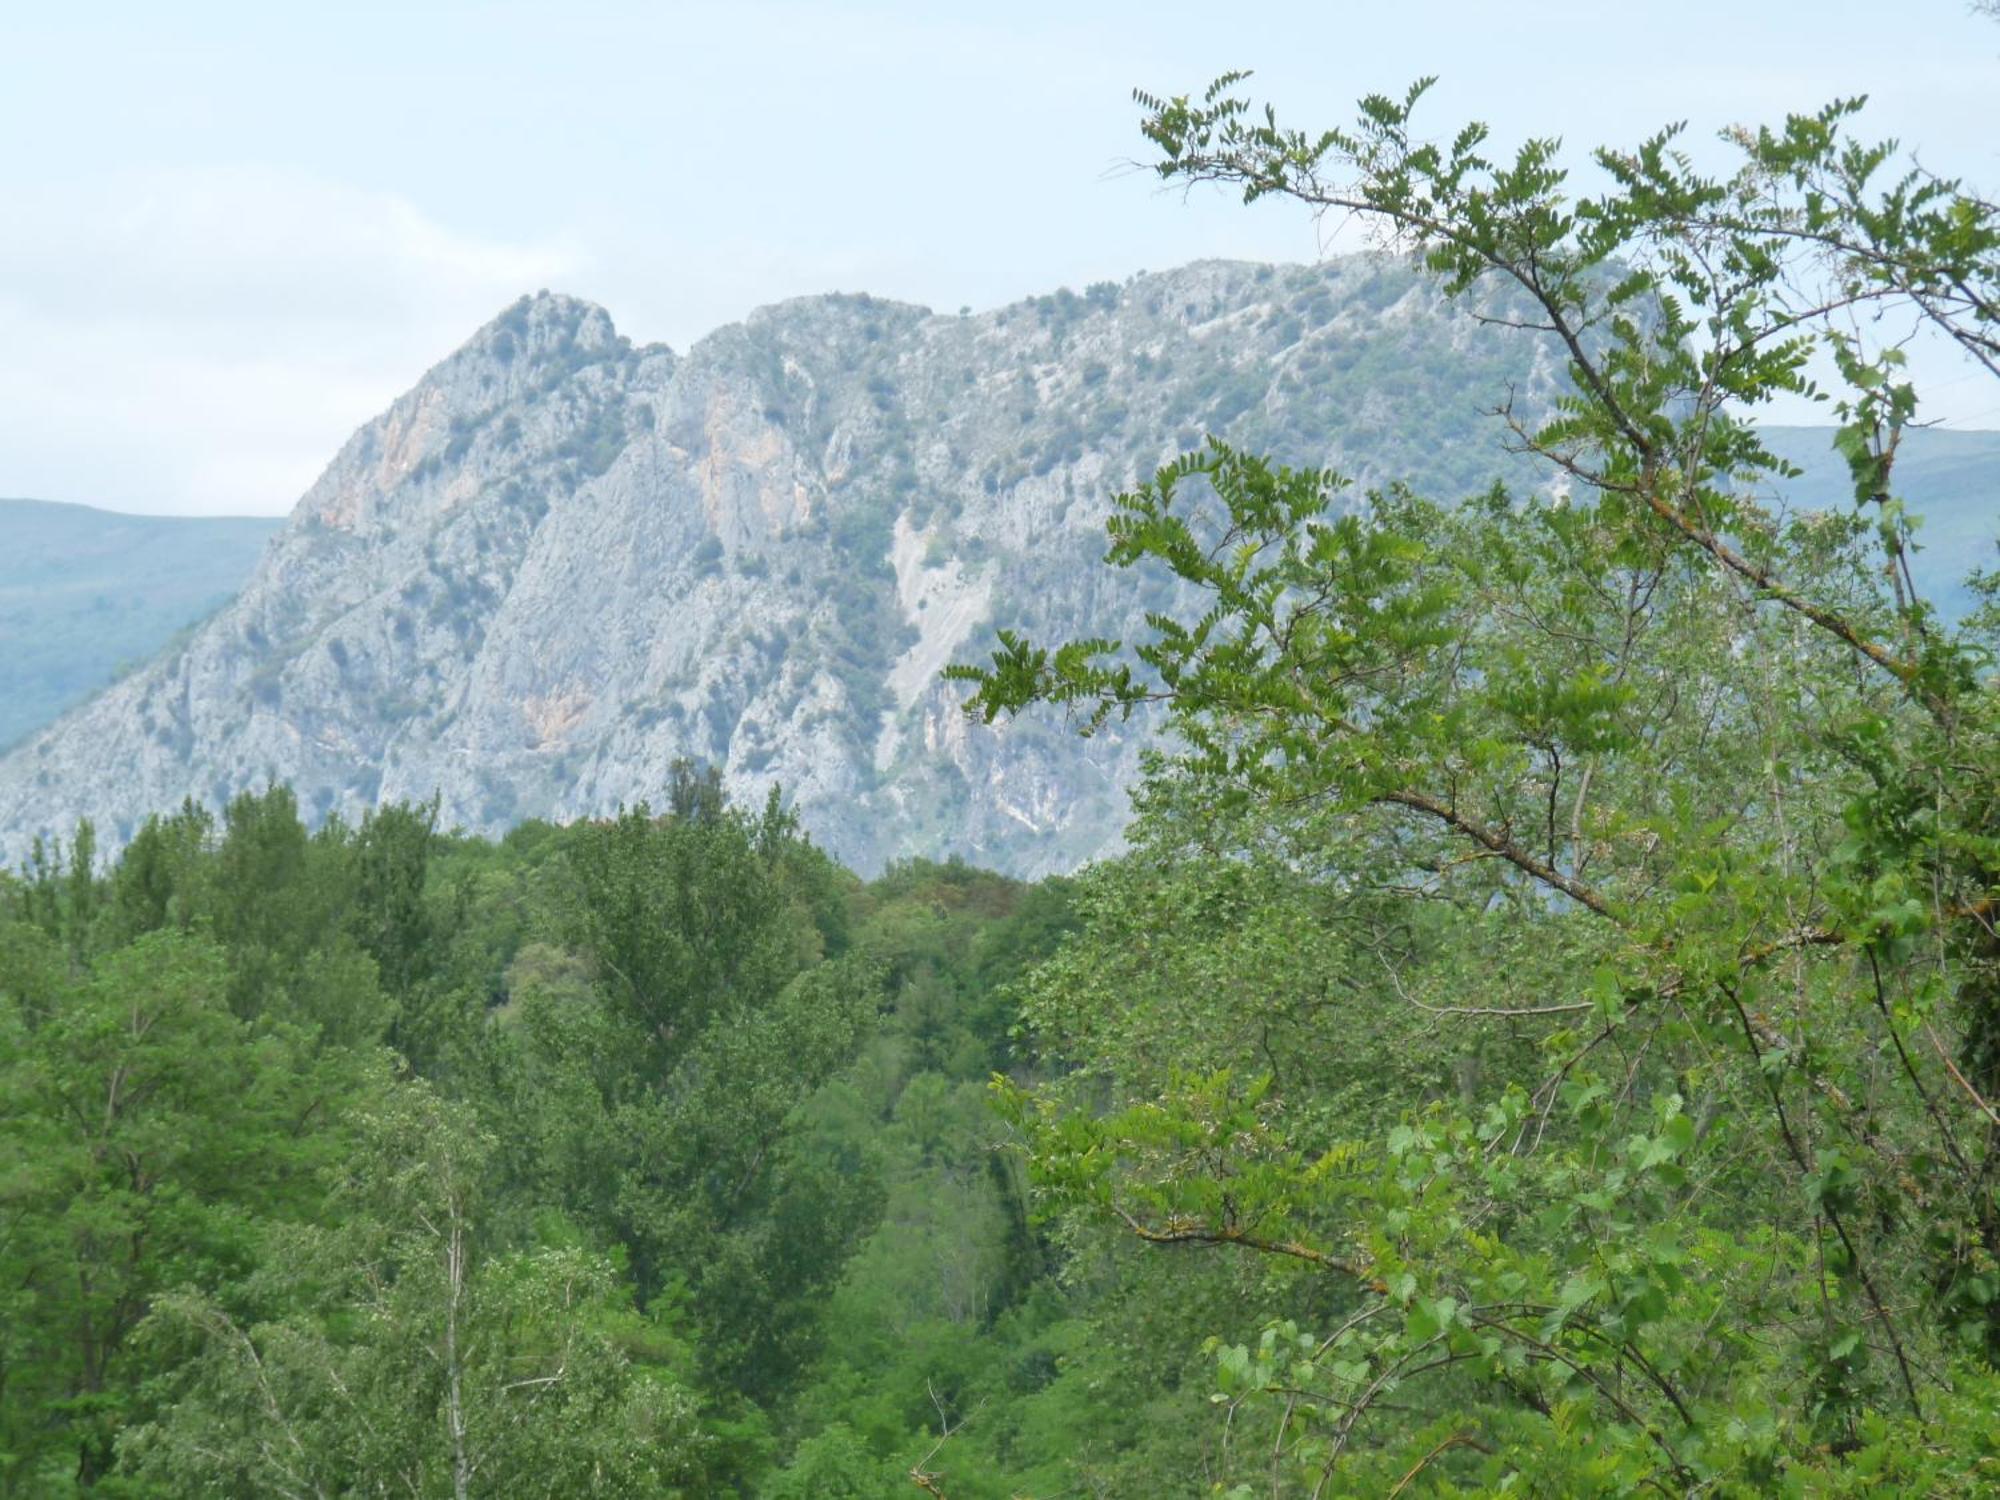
{"points": [[1951, 479], [84, 593]]}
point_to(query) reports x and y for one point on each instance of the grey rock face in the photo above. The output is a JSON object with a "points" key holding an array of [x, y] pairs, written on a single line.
{"points": [[561, 562]]}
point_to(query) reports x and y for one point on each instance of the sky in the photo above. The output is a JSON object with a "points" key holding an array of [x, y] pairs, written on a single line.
{"points": [[231, 233]]}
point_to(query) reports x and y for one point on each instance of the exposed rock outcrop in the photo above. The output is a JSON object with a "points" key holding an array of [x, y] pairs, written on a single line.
{"points": [[562, 562]]}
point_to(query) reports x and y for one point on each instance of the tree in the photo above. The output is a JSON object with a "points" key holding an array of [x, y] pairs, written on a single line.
{"points": [[394, 1352], [652, 1086], [1743, 1217], [145, 1128], [834, 1464]]}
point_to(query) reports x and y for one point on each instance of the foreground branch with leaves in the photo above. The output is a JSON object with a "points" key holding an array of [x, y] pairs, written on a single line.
{"points": [[1728, 1221]]}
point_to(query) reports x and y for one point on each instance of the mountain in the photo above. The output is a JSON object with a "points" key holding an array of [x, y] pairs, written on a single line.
{"points": [[561, 562], [86, 592]]}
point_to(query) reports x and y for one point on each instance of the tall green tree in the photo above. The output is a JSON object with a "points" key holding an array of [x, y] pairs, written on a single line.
{"points": [[396, 1351], [1741, 1219], [146, 1130], [652, 1082]]}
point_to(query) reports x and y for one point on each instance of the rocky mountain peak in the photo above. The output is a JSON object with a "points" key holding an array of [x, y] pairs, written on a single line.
{"points": [[559, 563]]}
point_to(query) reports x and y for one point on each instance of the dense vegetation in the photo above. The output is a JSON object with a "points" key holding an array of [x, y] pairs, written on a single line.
{"points": [[1676, 816], [374, 1160], [1544, 1039]]}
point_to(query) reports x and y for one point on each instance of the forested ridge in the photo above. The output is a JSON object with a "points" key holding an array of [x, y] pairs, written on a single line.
{"points": [[1543, 1037]]}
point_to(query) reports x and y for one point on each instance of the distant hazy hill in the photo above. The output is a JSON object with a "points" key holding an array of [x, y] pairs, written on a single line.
{"points": [[84, 592], [1951, 479]]}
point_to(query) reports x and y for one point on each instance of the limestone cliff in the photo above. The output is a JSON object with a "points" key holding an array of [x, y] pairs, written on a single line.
{"points": [[561, 562]]}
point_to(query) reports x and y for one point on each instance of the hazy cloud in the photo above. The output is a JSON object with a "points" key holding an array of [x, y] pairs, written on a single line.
{"points": [[210, 334]]}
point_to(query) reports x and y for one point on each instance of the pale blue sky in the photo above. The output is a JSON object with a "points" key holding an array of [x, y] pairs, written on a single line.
{"points": [[229, 233]]}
